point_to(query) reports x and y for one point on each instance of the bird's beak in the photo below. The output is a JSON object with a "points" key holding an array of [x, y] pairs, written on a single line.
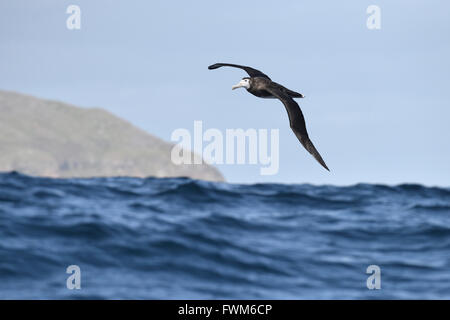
{"points": [[239, 85], [236, 86]]}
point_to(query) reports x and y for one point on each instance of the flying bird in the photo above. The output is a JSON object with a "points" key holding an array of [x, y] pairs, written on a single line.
{"points": [[260, 85]]}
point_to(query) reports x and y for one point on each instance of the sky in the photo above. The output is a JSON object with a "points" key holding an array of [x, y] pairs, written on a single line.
{"points": [[377, 101]]}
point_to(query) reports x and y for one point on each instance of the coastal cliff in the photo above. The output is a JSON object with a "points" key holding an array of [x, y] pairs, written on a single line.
{"points": [[49, 138]]}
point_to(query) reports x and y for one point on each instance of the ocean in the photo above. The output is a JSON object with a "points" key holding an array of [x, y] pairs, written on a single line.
{"points": [[177, 238]]}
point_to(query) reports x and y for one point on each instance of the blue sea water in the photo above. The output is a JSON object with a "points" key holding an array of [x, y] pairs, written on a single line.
{"points": [[185, 239]]}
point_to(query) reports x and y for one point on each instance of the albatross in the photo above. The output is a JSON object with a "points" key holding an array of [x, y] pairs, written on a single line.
{"points": [[260, 85]]}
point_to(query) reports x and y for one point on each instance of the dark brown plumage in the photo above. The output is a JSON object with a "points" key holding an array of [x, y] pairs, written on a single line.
{"points": [[262, 86]]}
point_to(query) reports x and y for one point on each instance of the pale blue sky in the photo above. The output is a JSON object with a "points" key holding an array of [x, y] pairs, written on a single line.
{"points": [[377, 101]]}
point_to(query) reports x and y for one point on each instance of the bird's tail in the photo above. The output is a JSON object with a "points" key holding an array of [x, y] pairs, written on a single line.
{"points": [[294, 94]]}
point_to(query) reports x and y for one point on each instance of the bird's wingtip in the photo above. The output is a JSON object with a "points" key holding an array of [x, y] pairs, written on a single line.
{"points": [[213, 66]]}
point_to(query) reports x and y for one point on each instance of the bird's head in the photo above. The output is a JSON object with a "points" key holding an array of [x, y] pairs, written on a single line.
{"points": [[244, 83]]}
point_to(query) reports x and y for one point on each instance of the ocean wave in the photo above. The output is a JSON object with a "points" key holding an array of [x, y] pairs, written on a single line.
{"points": [[181, 238]]}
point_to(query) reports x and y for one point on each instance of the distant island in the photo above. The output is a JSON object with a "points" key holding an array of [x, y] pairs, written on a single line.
{"points": [[54, 139]]}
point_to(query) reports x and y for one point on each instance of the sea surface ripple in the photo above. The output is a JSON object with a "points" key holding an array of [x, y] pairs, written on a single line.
{"points": [[177, 238]]}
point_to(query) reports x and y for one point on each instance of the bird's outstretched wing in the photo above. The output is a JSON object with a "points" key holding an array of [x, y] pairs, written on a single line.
{"points": [[297, 121], [251, 72]]}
